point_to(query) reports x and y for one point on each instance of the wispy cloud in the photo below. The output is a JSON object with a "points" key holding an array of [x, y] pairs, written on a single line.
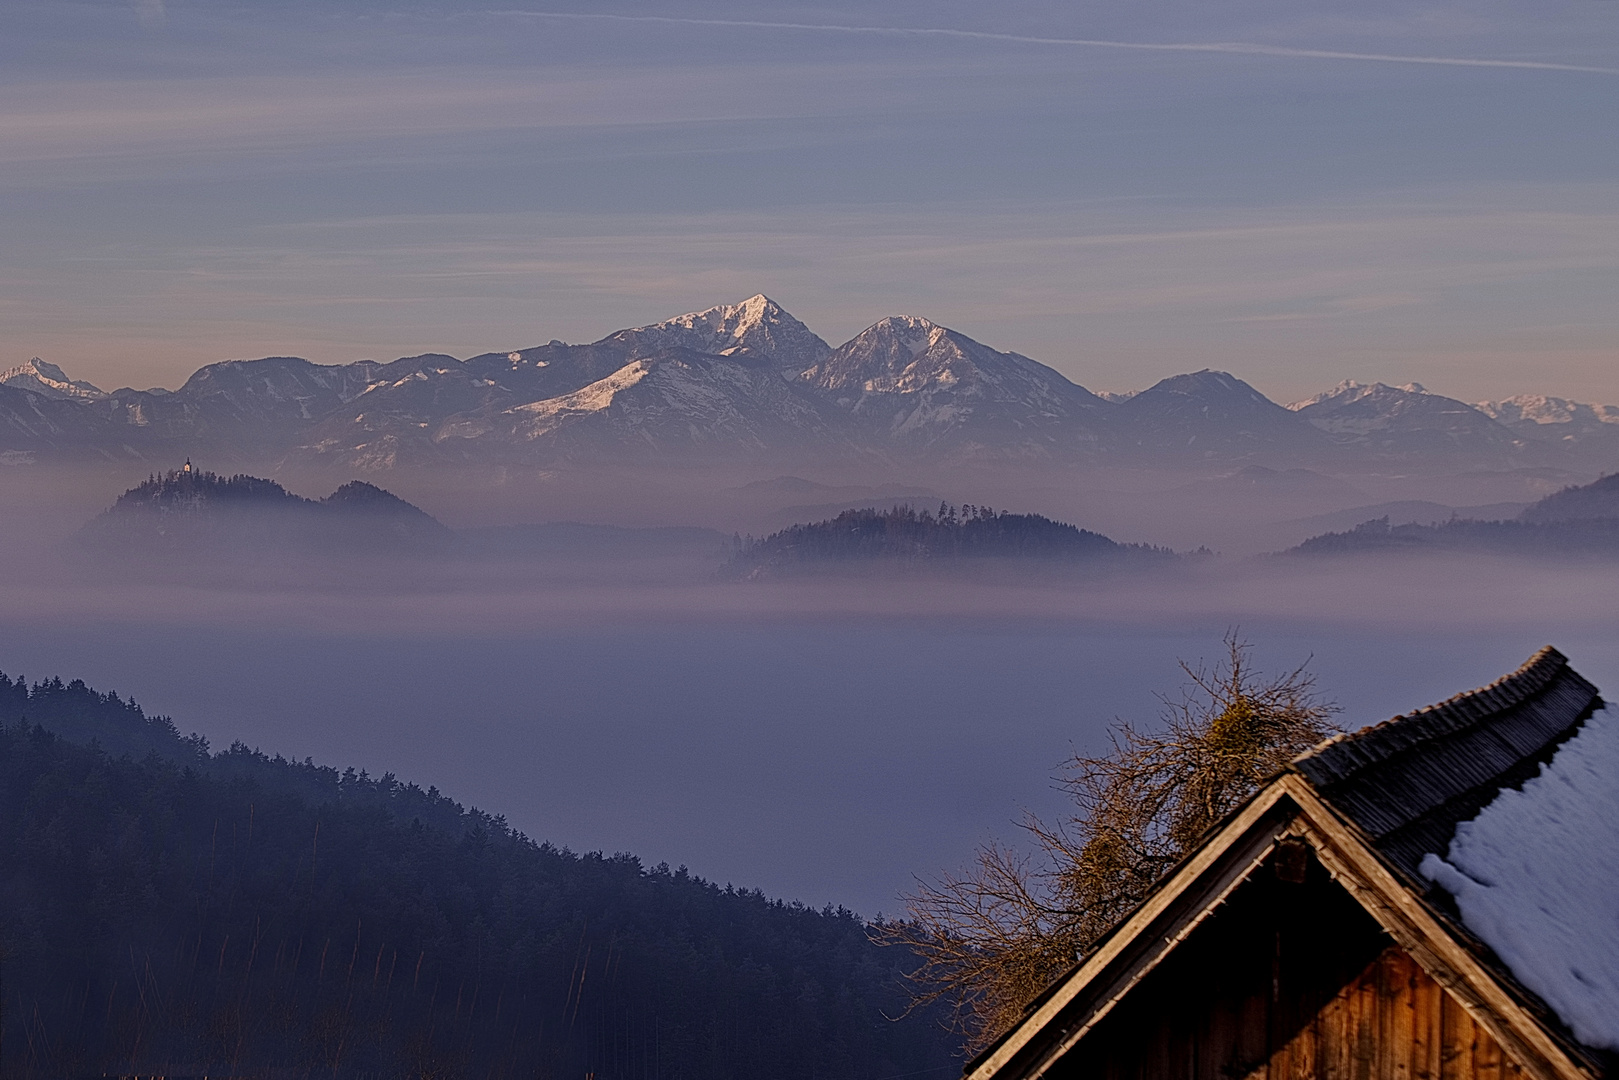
{"points": [[1237, 48], [158, 119]]}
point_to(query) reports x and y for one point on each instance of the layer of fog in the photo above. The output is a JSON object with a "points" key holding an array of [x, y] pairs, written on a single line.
{"points": [[1234, 510], [824, 740]]}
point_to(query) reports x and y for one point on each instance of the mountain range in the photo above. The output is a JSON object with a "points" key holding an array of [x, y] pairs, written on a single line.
{"points": [[749, 382]]}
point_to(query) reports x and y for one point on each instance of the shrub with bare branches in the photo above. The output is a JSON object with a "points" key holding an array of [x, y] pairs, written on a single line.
{"points": [[993, 937]]}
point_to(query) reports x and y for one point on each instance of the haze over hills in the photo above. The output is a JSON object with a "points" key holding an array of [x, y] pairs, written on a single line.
{"points": [[195, 516], [288, 919], [1580, 520], [1401, 422], [749, 383], [953, 541]]}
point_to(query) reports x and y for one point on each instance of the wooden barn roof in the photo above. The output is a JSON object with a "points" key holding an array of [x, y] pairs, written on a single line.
{"points": [[1408, 782], [1370, 804]]}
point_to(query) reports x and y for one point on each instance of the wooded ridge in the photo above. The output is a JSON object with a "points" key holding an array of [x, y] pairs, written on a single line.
{"points": [[166, 909]]}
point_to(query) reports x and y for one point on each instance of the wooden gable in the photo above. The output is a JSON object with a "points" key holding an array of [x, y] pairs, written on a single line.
{"points": [[1298, 939], [1290, 979]]}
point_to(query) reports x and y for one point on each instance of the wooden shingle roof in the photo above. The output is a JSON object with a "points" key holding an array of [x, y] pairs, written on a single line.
{"points": [[1408, 782], [1369, 804]]}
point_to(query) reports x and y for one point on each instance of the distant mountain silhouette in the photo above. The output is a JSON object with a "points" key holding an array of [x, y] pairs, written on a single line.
{"points": [[1575, 521], [953, 539], [1593, 537], [1214, 416], [1398, 422]]}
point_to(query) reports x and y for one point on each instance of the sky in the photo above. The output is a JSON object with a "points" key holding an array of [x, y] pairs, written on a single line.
{"points": [[1299, 192]]}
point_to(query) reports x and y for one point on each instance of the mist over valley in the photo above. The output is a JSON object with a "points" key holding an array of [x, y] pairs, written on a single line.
{"points": [[749, 540], [577, 659]]}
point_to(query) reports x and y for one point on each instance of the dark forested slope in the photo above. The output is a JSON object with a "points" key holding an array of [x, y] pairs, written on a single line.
{"points": [[166, 910]]}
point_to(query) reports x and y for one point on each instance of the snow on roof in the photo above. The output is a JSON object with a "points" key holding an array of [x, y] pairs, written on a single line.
{"points": [[1536, 877]]}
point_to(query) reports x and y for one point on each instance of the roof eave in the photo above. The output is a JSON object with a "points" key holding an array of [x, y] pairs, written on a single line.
{"points": [[1288, 806]]}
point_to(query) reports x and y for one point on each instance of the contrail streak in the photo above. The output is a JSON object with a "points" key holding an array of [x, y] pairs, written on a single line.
{"points": [[1230, 47]]}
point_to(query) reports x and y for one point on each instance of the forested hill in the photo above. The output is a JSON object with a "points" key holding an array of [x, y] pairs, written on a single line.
{"points": [[202, 515], [167, 910], [946, 539], [1593, 537], [1574, 521]]}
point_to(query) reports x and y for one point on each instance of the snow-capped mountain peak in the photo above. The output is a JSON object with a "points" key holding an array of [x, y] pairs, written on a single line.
{"points": [[50, 381], [757, 326], [1408, 421], [901, 353], [922, 382], [730, 320], [908, 328], [1539, 409], [1349, 391]]}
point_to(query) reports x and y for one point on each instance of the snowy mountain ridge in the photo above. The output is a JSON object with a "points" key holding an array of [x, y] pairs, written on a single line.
{"points": [[1349, 391], [926, 385], [1541, 410], [757, 325], [51, 381], [750, 380]]}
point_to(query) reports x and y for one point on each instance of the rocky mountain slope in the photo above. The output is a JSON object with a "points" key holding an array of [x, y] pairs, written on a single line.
{"points": [[1587, 435], [1403, 421], [757, 327], [749, 382], [919, 385], [50, 381]]}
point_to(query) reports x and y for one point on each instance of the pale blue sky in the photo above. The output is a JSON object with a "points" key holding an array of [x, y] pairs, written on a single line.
{"points": [[185, 181]]}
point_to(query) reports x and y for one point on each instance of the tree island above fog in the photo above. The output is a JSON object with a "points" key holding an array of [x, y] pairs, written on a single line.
{"points": [[185, 521], [199, 514], [954, 540], [750, 383], [188, 519]]}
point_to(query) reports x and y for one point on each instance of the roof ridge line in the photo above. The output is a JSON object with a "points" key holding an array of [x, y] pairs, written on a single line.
{"points": [[1381, 741]]}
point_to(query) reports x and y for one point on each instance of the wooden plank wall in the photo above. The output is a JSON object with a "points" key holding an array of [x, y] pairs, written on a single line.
{"points": [[1392, 1021], [1288, 982]]}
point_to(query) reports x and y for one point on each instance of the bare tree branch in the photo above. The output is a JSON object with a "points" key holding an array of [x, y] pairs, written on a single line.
{"points": [[992, 938]]}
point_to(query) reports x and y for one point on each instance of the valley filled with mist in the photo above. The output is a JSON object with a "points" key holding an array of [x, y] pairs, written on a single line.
{"points": [[577, 657], [746, 539], [810, 635]]}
